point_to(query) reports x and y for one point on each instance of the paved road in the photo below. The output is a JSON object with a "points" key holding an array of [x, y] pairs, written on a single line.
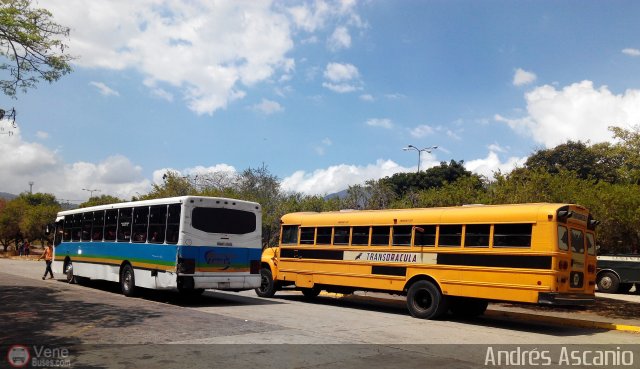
{"points": [[102, 328]]}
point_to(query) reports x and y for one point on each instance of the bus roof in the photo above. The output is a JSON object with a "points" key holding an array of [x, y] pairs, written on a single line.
{"points": [[510, 213], [166, 200]]}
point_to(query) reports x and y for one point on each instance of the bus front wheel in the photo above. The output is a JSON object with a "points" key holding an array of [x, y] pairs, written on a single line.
{"points": [[425, 301], [267, 285], [128, 281], [68, 271], [608, 282]]}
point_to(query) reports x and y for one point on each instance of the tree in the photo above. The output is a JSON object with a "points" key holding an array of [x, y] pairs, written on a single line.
{"points": [[403, 183], [31, 43], [101, 200], [577, 157]]}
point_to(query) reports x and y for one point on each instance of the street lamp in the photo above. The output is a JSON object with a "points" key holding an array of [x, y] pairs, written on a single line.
{"points": [[90, 191], [426, 149]]}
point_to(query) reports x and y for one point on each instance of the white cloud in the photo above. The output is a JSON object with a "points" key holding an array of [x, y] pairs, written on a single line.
{"points": [[342, 78], [337, 72], [367, 97], [340, 39], [104, 89], [421, 131], [523, 77], [631, 52], [22, 161], [314, 15], [209, 51], [162, 94], [492, 164], [382, 123], [42, 135], [339, 177], [575, 112], [268, 107]]}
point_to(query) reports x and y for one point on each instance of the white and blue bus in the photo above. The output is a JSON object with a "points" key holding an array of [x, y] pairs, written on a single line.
{"points": [[188, 243]]}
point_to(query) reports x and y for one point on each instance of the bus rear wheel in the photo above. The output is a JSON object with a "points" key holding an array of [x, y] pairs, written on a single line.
{"points": [[310, 293], [608, 282], [425, 301], [128, 281], [267, 286]]}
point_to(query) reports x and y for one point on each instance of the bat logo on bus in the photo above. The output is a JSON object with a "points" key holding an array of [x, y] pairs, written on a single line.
{"points": [[223, 260]]}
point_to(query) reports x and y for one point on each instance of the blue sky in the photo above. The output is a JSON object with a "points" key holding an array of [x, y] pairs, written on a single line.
{"points": [[324, 93]]}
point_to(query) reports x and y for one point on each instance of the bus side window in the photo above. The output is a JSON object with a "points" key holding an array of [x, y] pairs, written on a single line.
{"points": [[110, 225], [173, 223], [140, 223], [380, 236], [87, 221], [341, 236], [58, 236], [360, 236], [323, 236], [512, 235], [124, 225], [401, 235], [157, 223], [97, 229], [307, 235], [450, 235], [477, 235], [289, 235], [76, 230], [66, 231], [425, 235]]}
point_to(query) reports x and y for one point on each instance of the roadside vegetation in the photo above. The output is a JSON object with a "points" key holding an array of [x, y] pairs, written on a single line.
{"points": [[603, 177]]}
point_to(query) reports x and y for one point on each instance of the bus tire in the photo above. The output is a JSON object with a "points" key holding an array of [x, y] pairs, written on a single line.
{"points": [[425, 301], [625, 287], [608, 282], [267, 286], [310, 293], [68, 271], [128, 281], [468, 307]]}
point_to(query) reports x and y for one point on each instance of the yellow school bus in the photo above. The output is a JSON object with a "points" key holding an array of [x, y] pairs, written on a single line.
{"points": [[442, 259]]}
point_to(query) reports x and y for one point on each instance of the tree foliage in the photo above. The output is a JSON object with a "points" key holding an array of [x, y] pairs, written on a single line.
{"points": [[32, 45], [26, 216]]}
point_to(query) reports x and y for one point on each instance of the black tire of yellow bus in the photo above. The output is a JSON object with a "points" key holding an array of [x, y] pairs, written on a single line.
{"points": [[310, 293], [425, 301], [465, 307], [267, 285], [608, 282], [128, 281]]}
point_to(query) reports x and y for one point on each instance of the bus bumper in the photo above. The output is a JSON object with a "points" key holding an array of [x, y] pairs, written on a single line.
{"points": [[576, 299], [235, 283]]}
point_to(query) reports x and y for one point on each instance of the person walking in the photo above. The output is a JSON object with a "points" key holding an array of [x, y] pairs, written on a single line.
{"points": [[47, 255], [26, 247]]}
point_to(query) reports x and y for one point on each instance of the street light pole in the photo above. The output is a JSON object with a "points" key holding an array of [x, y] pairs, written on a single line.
{"points": [[426, 149], [90, 191]]}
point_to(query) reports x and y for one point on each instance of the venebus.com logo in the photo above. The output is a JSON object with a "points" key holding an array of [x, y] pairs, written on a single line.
{"points": [[20, 356]]}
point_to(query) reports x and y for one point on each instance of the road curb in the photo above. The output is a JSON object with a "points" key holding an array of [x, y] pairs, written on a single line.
{"points": [[581, 323]]}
